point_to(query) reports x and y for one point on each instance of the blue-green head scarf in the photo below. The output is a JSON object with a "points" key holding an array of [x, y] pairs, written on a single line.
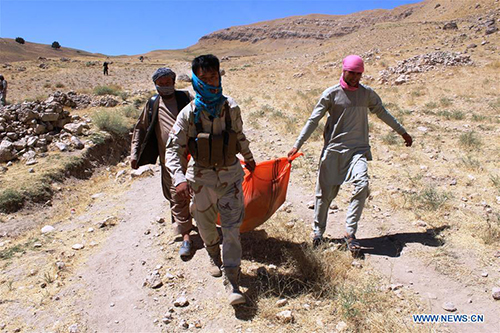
{"points": [[207, 100]]}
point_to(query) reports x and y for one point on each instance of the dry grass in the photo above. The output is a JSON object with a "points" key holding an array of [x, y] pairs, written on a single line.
{"points": [[315, 282]]}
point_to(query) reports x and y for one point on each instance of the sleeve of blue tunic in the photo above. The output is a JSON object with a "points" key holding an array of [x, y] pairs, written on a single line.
{"points": [[375, 105], [319, 111]]}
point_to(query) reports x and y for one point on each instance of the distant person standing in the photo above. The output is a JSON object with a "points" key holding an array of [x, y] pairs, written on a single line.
{"points": [[346, 149], [3, 91], [105, 67]]}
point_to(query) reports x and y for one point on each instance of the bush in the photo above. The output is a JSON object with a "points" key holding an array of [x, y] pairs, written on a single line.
{"points": [[430, 198], [107, 90], [10, 200], [110, 121], [470, 140], [20, 40], [59, 85], [56, 45], [130, 112]]}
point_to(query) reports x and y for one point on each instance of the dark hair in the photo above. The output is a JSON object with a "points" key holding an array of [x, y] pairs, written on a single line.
{"points": [[205, 62]]}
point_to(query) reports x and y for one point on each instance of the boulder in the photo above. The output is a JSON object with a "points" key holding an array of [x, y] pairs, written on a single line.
{"points": [[74, 128], [49, 116], [450, 26]]}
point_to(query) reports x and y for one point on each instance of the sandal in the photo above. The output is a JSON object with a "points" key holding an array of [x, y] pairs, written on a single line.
{"points": [[352, 243]]}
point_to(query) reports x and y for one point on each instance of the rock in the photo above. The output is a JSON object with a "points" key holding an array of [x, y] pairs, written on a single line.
{"points": [[73, 128], [60, 265], [61, 146], [282, 302], [453, 182], [49, 116], [310, 205], [6, 153], [395, 286], [78, 246], [183, 324], [341, 327], [47, 229], [153, 281], [77, 143], [31, 162], [183, 78], [491, 29], [484, 274], [181, 302], [31, 170], [422, 129], [143, 171], [420, 223], [495, 293], [160, 220], [449, 306], [285, 316], [74, 329], [97, 195], [31, 141], [450, 26], [401, 79], [356, 264], [471, 46], [120, 174]]}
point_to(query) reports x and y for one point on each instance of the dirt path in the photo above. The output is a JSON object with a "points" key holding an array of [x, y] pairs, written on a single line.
{"points": [[103, 291], [113, 277]]}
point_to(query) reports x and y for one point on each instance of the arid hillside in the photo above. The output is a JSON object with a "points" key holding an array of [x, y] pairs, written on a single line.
{"points": [[12, 51]]}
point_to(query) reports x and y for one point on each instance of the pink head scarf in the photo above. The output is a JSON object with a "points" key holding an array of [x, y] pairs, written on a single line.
{"points": [[352, 63]]}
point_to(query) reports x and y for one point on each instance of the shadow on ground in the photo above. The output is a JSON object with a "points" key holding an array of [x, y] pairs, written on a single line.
{"points": [[305, 272]]}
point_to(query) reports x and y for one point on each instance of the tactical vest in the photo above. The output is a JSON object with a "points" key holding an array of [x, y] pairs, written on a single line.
{"points": [[214, 151]]}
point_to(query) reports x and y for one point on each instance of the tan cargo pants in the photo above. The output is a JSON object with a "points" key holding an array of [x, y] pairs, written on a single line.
{"points": [[226, 199]]}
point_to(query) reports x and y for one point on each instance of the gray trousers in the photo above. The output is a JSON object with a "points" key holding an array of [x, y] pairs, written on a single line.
{"points": [[325, 193], [227, 200]]}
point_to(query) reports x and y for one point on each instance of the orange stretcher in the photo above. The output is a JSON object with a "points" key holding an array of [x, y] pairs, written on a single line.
{"points": [[265, 190]]}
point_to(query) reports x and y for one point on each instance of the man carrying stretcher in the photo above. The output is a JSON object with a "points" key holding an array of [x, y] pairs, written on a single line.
{"points": [[211, 129], [346, 149]]}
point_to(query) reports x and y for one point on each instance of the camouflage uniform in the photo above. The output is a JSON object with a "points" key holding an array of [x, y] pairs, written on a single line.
{"points": [[215, 190]]}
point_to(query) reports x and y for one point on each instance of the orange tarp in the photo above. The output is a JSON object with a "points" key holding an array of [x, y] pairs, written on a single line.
{"points": [[265, 190]]}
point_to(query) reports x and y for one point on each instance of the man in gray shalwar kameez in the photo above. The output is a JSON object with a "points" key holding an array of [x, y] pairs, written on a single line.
{"points": [[346, 149]]}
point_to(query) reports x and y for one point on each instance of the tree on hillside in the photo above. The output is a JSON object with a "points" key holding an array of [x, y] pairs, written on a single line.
{"points": [[56, 45], [20, 40]]}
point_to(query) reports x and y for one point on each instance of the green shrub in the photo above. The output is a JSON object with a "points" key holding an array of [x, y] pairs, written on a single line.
{"points": [[470, 163], [107, 90], [10, 200], [478, 117], [455, 114], [56, 45], [20, 40], [445, 101], [130, 111], [59, 85], [110, 121], [430, 198], [431, 105], [470, 140]]}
